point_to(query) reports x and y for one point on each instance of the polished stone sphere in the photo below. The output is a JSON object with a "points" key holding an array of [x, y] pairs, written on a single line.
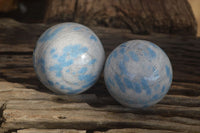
{"points": [[138, 73], [68, 58]]}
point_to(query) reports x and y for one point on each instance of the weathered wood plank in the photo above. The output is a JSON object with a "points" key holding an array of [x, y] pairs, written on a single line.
{"points": [[135, 130], [180, 100], [140, 16], [195, 7], [30, 94], [19, 72], [34, 130], [14, 91], [163, 110], [13, 61], [19, 48], [187, 89], [50, 131], [5, 86], [87, 119]]}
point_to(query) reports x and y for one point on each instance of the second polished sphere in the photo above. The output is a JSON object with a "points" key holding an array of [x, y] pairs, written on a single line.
{"points": [[68, 58], [138, 73]]}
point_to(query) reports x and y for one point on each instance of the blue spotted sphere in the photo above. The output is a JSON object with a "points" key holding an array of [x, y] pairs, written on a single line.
{"points": [[138, 74], [68, 58]]}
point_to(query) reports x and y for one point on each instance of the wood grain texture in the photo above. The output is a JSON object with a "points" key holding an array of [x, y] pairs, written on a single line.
{"points": [[27, 106], [50, 131], [195, 8], [135, 130], [88, 119], [164, 110], [140, 16]]}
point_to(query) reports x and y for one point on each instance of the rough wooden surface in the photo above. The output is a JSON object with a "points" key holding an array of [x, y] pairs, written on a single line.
{"points": [[50, 131], [135, 130], [196, 10], [141, 16], [27, 106]]}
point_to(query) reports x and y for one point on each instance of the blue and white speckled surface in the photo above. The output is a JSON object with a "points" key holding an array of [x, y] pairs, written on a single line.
{"points": [[68, 58], [138, 74]]}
